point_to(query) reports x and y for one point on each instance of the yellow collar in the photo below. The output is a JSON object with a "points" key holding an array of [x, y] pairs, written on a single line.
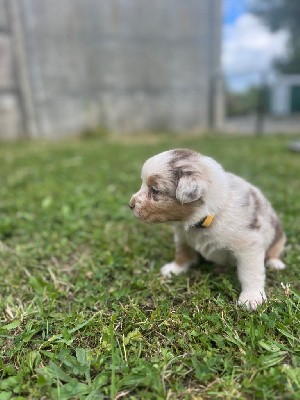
{"points": [[205, 222]]}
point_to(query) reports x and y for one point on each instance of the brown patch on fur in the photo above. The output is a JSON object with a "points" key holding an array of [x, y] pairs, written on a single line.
{"points": [[169, 209], [277, 245], [254, 224], [162, 184], [152, 180], [185, 255]]}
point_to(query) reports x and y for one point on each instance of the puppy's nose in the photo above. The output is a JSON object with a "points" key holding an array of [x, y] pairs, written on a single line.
{"points": [[131, 203]]}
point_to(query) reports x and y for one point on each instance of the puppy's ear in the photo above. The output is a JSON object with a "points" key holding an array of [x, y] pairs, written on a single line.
{"points": [[190, 187]]}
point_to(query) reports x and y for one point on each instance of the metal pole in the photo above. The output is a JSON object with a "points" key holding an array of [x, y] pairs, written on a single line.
{"points": [[261, 105]]}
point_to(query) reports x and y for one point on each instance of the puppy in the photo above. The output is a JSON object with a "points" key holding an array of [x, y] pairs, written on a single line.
{"points": [[215, 213]]}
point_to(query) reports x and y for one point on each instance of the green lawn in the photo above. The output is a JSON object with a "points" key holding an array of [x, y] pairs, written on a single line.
{"points": [[84, 313]]}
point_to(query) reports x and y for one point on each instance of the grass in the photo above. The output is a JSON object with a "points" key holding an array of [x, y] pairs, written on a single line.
{"points": [[83, 311]]}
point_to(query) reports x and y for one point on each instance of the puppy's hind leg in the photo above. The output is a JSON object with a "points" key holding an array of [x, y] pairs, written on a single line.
{"points": [[273, 254], [185, 257]]}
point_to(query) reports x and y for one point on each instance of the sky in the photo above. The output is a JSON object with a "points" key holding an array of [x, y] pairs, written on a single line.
{"points": [[249, 47]]}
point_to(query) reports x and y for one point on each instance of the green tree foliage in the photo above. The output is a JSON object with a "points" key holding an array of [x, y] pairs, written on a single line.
{"points": [[247, 102], [279, 14]]}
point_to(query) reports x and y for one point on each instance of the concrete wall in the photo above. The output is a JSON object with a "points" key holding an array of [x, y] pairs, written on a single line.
{"points": [[128, 65]]}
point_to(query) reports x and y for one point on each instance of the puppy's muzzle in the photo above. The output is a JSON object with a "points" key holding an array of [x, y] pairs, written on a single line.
{"points": [[132, 203]]}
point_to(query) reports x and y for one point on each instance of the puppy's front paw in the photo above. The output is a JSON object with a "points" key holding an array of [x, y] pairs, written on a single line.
{"points": [[172, 268], [251, 299]]}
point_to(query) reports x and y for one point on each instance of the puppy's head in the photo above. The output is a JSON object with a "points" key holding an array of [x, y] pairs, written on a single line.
{"points": [[173, 185]]}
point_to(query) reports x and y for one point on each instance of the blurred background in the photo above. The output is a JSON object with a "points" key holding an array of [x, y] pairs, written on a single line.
{"points": [[128, 66]]}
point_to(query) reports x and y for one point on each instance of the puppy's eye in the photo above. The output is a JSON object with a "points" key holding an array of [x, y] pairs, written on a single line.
{"points": [[153, 190]]}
